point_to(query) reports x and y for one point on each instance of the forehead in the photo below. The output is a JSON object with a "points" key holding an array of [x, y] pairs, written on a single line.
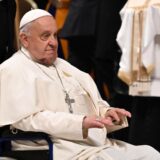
{"points": [[46, 22]]}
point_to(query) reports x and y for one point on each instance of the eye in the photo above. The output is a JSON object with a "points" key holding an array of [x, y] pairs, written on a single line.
{"points": [[45, 36]]}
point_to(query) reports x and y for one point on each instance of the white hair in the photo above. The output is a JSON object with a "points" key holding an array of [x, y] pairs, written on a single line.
{"points": [[26, 28]]}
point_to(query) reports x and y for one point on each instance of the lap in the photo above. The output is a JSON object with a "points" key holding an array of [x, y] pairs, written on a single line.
{"points": [[127, 152]]}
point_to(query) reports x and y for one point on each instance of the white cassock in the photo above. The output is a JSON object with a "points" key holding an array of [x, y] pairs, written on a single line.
{"points": [[32, 99], [139, 39]]}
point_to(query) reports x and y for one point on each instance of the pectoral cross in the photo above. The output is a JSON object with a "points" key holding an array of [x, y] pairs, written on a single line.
{"points": [[69, 101]]}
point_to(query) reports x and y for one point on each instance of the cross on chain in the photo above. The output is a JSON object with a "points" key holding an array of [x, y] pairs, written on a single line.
{"points": [[69, 101]]}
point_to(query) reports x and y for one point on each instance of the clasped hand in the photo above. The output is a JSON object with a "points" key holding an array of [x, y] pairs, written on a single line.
{"points": [[112, 117]]}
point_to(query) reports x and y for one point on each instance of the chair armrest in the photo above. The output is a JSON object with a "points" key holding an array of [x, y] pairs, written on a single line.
{"points": [[7, 136]]}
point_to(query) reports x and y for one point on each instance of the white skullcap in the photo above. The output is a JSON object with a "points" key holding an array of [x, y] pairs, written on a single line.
{"points": [[33, 15]]}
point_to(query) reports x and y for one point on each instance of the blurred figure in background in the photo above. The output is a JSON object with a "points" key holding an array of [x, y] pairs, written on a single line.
{"points": [[91, 28], [7, 16]]}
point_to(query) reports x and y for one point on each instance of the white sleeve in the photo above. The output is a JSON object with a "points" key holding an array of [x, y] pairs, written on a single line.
{"points": [[57, 124]]}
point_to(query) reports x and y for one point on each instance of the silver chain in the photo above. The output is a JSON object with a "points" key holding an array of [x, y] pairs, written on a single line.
{"points": [[68, 100]]}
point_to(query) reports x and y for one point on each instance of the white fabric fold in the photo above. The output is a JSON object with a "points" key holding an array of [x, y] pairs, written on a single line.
{"points": [[150, 42]]}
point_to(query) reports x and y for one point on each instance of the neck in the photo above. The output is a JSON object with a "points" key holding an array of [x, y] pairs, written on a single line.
{"points": [[43, 62]]}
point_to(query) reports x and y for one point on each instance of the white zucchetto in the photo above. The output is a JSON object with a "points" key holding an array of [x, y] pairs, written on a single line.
{"points": [[33, 15]]}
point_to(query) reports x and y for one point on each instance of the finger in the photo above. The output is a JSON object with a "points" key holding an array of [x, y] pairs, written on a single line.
{"points": [[128, 114], [107, 121], [123, 112], [97, 124], [113, 114], [91, 122]]}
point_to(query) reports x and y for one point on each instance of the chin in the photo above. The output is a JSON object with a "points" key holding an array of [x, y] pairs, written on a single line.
{"points": [[49, 62]]}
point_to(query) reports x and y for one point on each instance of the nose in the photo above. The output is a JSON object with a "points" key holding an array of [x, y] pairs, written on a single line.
{"points": [[53, 40]]}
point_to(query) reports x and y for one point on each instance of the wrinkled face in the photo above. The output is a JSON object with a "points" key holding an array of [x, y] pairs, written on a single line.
{"points": [[41, 41]]}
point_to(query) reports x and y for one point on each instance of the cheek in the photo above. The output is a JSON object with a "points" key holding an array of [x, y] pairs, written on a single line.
{"points": [[39, 47], [36, 50]]}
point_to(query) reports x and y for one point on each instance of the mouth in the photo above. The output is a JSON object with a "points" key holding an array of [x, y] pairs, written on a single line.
{"points": [[51, 51]]}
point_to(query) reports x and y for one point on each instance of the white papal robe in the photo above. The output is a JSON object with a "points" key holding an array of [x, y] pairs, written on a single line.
{"points": [[32, 99]]}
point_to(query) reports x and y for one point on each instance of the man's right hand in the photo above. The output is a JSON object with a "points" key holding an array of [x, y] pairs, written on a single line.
{"points": [[96, 122]]}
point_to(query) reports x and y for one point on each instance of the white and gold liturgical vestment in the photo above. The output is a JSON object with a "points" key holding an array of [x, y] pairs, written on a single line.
{"points": [[139, 39]]}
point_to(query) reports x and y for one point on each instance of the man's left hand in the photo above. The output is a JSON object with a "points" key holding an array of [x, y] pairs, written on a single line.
{"points": [[115, 115]]}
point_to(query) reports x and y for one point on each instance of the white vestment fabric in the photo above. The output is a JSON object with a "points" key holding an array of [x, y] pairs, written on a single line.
{"points": [[32, 99], [149, 43]]}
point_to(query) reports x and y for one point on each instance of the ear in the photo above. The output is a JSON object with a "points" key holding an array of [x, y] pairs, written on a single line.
{"points": [[24, 39]]}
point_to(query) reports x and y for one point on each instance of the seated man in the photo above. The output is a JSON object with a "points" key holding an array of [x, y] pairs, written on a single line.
{"points": [[40, 92]]}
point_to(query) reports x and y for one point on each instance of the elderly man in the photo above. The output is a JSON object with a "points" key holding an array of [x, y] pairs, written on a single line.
{"points": [[48, 94]]}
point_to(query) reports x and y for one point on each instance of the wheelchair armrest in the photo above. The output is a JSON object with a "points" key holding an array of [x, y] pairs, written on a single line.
{"points": [[7, 136]]}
